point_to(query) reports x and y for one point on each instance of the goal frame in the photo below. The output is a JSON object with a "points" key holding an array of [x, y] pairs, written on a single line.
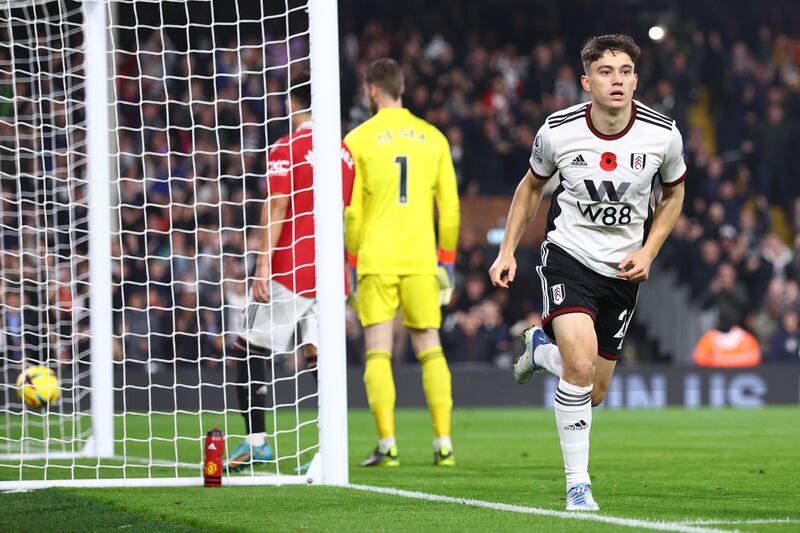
{"points": [[329, 466]]}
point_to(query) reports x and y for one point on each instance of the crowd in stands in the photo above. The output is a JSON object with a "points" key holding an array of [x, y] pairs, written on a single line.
{"points": [[192, 145], [192, 176], [733, 85]]}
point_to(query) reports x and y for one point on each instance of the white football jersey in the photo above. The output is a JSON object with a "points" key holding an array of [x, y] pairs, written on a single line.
{"points": [[601, 211]]}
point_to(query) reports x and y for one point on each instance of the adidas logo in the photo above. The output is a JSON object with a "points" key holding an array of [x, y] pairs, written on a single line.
{"points": [[212, 447], [577, 426], [578, 162], [262, 389]]}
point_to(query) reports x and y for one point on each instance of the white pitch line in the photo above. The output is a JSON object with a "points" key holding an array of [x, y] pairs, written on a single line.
{"points": [[591, 517], [742, 522]]}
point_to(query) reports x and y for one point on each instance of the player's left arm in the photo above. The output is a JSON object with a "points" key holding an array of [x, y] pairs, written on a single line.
{"points": [[273, 215], [449, 220], [635, 267]]}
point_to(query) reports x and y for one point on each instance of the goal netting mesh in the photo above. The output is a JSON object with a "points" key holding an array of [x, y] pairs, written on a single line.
{"points": [[197, 96]]}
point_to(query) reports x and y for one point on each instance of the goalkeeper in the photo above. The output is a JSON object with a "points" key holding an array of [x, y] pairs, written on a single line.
{"points": [[281, 314], [402, 165]]}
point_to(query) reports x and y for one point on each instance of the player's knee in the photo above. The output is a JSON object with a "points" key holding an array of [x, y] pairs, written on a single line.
{"points": [[580, 372], [424, 339]]}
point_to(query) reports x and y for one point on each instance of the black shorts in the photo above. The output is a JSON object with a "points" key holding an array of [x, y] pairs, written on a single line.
{"points": [[570, 287]]}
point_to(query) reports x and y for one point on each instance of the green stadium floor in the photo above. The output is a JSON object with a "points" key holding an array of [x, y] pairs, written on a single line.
{"points": [[146, 444], [660, 469]]}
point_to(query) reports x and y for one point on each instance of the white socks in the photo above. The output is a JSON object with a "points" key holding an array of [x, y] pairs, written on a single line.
{"points": [[548, 357], [442, 441], [385, 444], [257, 439], [573, 406]]}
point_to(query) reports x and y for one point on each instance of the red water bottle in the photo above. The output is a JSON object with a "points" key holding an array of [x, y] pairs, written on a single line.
{"points": [[212, 466]]}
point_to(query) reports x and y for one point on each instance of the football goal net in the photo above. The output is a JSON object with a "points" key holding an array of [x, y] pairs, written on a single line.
{"points": [[135, 141]]}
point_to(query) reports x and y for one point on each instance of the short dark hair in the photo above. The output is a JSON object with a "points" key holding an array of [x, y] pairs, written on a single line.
{"points": [[300, 89], [387, 75], [599, 45]]}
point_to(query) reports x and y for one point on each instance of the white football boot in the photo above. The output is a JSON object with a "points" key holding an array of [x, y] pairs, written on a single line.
{"points": [[579, 498], [524, 367]]}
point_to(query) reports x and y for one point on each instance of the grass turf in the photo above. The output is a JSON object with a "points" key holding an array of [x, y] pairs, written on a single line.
{"points": [[671, 464]]}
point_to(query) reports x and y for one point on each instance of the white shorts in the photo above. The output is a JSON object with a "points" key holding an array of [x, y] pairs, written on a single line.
{"points": [[283, 324]]}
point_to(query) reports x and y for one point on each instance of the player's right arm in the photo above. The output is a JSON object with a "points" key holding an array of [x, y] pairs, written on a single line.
{"points": [[526, 202], [527, 197]]}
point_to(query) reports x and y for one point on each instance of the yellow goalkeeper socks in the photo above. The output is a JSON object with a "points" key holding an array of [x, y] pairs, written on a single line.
{"points": [[436, 383], [379, 382]]}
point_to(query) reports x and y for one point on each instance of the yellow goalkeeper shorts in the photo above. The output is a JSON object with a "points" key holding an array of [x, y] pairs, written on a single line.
{"points": [[417, 295]]}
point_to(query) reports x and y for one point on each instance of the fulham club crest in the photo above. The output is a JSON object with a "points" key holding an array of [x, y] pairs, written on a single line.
{"points": [[558, 293], [638, 161]]}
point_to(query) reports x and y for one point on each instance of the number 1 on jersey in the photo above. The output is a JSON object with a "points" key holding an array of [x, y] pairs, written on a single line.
{"points": [[403, 162]]}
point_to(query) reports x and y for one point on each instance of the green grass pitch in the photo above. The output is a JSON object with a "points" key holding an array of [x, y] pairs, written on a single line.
{"points": [[736, 466]]}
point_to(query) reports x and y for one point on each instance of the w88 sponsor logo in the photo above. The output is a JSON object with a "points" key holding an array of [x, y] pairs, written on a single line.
{"points": [[607, 214]]}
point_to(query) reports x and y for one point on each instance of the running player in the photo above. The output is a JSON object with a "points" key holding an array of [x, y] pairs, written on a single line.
{"points": [[604, 230]]}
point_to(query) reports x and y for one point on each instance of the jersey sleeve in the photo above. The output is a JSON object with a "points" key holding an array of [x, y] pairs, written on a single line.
{"points": [[353, 212], [542, 162], [673, 168], [279, 170], [348, 174], [448, 205]]}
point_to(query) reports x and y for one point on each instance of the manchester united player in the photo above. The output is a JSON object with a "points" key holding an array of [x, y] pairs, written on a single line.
{"points": [[281, 314]]}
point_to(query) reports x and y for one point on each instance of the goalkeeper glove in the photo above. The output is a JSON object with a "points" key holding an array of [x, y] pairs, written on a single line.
{"points": [[446, 275]]}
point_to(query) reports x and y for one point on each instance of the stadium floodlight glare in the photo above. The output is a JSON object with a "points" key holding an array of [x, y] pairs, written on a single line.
{"points": [[134, 141], [657, 33]]}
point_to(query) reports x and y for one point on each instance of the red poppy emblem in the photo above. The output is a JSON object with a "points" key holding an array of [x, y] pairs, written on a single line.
{"points": [[608, 161]]}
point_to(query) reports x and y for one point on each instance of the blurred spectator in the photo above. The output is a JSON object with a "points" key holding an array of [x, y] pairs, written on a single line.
{"points": [[11, 341], [727, 346], [464, 338], [726, 294], [775, 138], [704, 269], [785, 344], [765, 322], [135, 329], [778, 256], [473, 293], [495, 330]]}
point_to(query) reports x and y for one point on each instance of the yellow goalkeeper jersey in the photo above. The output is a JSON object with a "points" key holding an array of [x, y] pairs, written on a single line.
{"points": [[403, 165]]}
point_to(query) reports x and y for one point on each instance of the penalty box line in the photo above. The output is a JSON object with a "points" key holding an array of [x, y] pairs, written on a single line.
{"points": [[585, 516]]}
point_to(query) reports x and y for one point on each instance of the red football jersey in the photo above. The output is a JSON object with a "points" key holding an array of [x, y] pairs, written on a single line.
{"points": [[289, 172]]}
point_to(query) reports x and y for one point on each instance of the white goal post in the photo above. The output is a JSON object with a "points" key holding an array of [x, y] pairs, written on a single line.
{"points": [[134, 147]]}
